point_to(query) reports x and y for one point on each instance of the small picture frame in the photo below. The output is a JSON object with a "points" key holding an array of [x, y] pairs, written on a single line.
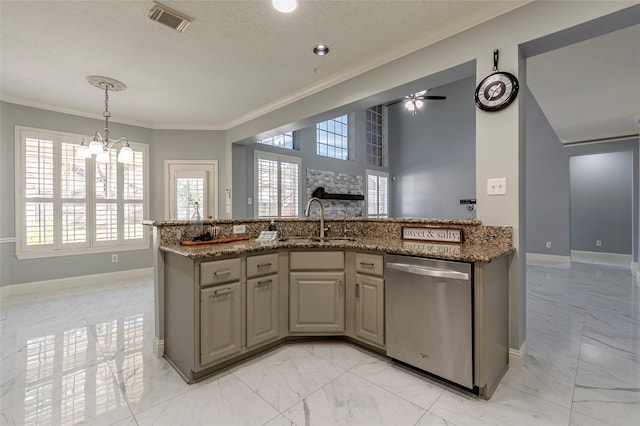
{"points": [[432, 234]]}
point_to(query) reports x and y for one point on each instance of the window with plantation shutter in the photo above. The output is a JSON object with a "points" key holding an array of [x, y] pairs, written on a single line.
{"points": [[277, 183], [69, 205], [377, 194]]}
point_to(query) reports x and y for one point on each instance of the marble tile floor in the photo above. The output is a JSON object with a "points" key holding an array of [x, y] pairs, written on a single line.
{"points": [[81, 356]]}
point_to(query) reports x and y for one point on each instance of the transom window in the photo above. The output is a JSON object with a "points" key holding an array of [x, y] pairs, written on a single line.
{"points": [[332, 138], [375, 136], [284, 140], [70, 205]]}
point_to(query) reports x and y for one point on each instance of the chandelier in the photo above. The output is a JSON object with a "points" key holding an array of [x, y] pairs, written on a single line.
{"points": [[97, 144]]}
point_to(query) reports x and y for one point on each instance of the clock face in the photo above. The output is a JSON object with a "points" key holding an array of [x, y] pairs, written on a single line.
{"points": [[496, 91]]}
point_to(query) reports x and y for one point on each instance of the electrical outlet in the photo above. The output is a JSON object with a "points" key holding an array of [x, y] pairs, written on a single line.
{"points": [[548, 244], [114, 258], [249, 201], [239, 229], [598, 243], [497, 186]]}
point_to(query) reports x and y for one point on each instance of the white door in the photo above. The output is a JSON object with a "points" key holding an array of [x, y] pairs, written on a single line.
{"points": [[188, 183]]}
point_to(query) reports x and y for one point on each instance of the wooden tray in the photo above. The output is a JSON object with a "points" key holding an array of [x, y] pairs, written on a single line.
{"points": [[218, 241]]}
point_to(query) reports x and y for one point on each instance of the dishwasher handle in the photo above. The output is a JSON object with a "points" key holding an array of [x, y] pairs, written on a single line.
{"points": [[429, 272]]}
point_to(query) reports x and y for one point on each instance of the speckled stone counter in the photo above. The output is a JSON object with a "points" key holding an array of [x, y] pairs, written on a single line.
{"points": [[481, 244]]}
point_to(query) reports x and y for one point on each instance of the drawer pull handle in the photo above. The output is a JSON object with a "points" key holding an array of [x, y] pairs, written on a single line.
{"points": [[357, 289], [263, 282], [264, 265], [221, 273], [367, 264], [222, 292]]}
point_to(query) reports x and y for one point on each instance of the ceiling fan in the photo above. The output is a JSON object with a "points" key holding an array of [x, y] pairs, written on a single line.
{"points": [[414, 101]]}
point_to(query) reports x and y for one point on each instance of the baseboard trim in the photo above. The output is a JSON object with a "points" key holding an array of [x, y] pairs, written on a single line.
{"points": [[598, 258], [73, 282], [517, 356], [158, 347], [556, 261]]}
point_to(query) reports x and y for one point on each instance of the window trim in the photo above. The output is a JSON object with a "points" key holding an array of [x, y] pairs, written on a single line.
{"points": [[72, 249], [257, 154]]}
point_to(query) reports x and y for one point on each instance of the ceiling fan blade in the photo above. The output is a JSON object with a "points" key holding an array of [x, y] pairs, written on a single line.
{"points": [[432, 97], [420, 93]]}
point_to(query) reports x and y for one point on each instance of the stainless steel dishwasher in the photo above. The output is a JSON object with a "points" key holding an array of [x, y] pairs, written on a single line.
{"points": [[429, 318]]}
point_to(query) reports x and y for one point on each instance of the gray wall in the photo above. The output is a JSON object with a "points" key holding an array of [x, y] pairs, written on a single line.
{"points": [[243, 157], [547, 186], [163, 144], [549, 202], [601, 202], [432, 154]]}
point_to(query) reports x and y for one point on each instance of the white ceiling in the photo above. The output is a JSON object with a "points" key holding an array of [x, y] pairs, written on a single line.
{"points": [[241, 59], [237, 59]]}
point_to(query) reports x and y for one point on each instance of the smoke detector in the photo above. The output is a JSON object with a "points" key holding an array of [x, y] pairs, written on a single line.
{"points": [[169, 17]]}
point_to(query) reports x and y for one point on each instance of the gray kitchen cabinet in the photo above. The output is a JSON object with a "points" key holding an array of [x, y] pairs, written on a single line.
{"points": [[316, 301], [370, 309], [262, 299], [220, 322], [365, 297]]}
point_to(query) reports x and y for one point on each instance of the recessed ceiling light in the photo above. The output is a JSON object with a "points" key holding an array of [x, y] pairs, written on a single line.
{"points": [[321, 49], [285, 6]]}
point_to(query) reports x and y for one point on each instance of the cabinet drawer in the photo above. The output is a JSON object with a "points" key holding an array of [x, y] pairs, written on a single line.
{"points": [[316, 260], [261, 265], [369, 263], [219, 271]]}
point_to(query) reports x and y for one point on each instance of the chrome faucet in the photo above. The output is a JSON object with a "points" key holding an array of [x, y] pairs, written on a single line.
{"points": [[306, 213]]}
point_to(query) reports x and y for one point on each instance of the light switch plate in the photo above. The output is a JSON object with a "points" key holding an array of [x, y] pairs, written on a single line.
{"points": [[497, 186], [239, 229]]}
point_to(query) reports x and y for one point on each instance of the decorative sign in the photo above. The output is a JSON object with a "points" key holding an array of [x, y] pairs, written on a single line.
{"points": [[440, 235], [439, 248]]}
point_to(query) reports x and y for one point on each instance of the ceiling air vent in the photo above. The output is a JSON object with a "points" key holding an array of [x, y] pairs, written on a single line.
{"points": [[169, 17]]}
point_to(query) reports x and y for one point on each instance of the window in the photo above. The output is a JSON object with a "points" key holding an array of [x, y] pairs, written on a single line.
{"points": [[332, 138], [284, 140], [68, 205], [277, 185], [375, 136], [188, 182], [377, 194]]}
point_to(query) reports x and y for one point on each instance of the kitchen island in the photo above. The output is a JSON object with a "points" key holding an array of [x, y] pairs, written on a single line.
{"points": [[221, 303]]}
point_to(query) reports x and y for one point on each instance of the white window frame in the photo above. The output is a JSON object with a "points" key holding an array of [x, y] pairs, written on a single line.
{"points": [[333, 132], [210, 167], [271, 141], [72, 249], [383, 136], [366, 190], [279, 158]]}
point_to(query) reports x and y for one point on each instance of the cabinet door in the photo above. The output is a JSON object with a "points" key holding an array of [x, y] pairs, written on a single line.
{"points": [[370, 309], [316, 302], [220, 322], [262, 310]]}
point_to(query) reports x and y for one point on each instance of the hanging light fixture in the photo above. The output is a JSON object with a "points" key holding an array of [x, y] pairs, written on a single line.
{"points": [[413, 104], [97, 144]]}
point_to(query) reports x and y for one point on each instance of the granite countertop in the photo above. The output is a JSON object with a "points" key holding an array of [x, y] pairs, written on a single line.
{"points": [[473, 253]]}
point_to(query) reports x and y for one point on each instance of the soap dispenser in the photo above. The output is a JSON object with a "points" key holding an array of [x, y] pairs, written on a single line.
{"points": [[272, 225]]}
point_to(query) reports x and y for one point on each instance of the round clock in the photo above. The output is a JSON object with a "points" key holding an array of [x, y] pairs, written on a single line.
{"points": [[496, 91]]}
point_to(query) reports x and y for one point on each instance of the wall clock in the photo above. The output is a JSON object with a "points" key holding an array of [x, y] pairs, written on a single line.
{"points": [[498, 90]]}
